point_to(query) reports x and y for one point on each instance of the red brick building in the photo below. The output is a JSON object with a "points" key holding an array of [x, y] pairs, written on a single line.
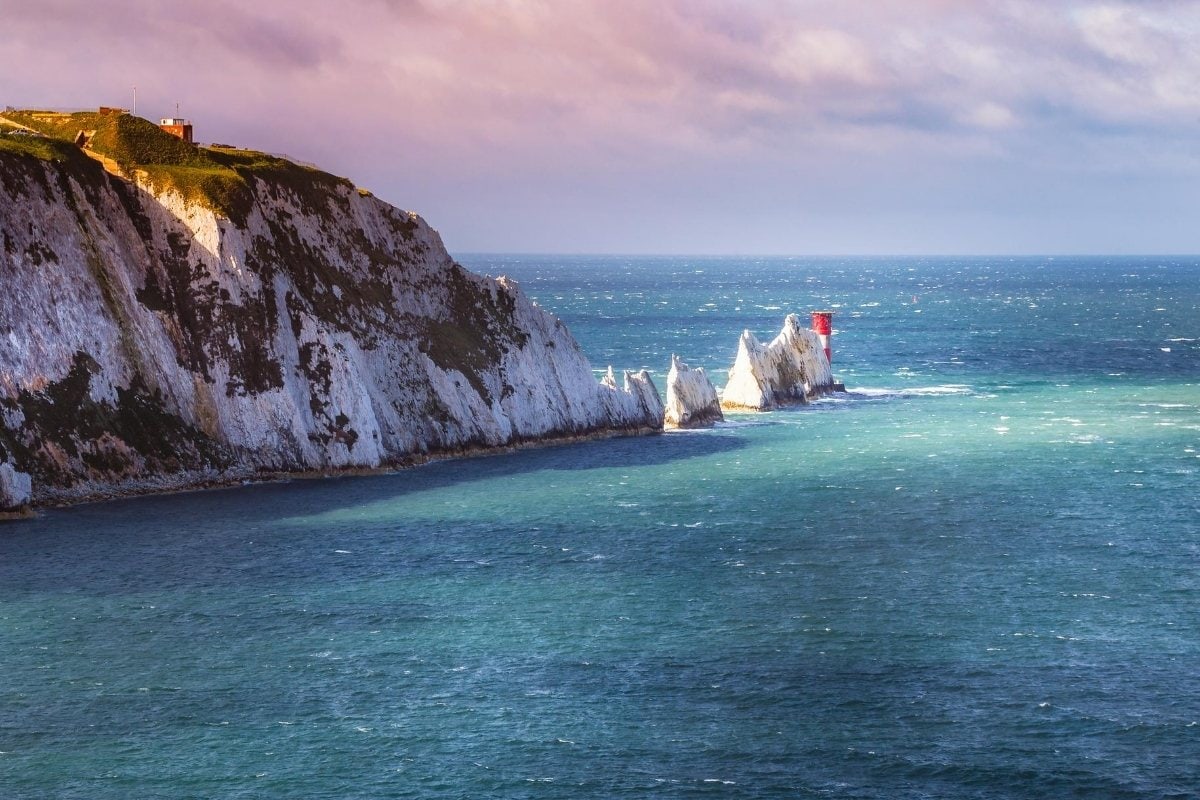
{"points": [[177, 127]]}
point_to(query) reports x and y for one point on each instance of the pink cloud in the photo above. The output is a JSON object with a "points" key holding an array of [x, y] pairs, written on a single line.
{"points": [[511, 72], [421, 96]]}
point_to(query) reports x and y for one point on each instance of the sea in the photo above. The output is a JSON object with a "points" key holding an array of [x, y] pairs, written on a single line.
{"points": [[976, 574]]}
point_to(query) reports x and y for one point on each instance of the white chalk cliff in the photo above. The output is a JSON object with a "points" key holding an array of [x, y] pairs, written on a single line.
{"points": [[150, 342], [692, 400], [791, 369], [15, 488]]}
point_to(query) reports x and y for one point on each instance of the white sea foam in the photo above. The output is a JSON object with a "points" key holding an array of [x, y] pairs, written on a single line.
{"points": [[733, 423], [834, 399], [949, 388], [872, 392]]}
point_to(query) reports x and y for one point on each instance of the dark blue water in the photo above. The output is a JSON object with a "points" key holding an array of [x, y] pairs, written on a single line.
{"points": [[977, 577]]}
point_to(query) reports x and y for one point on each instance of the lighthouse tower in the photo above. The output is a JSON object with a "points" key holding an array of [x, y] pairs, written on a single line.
{"points": [[822, 325]]}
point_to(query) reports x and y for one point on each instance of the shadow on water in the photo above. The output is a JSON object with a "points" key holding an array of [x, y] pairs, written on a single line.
{"points": [[207, 537]]}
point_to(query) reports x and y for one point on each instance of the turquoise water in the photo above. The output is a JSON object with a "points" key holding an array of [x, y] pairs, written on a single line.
{"points": [[974, 577]]}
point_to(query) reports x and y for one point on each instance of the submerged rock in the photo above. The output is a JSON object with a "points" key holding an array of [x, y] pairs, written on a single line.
{"points": [[155, 338], [791, 369], [692, 400]]}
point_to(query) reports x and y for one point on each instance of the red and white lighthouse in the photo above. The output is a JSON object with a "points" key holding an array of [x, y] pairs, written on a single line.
{"points": [[822, 325]]}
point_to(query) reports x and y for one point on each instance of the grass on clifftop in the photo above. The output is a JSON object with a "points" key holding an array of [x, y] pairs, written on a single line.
{"points": [[37, 147], [218, 177]]}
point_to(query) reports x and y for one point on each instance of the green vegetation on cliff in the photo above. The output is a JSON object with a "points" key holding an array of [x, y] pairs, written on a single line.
{"points": [[217, 177], [21, 144]]}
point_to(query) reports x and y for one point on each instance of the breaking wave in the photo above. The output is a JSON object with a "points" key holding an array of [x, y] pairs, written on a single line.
{"points": [[877, 393]]}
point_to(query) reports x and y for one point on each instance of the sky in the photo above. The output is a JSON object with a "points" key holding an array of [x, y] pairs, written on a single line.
{"points": [[678, 126]]}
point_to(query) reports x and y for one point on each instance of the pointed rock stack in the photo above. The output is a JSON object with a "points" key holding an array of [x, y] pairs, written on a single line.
{"points": [[792, 369], [634, 403], [692, 400]]}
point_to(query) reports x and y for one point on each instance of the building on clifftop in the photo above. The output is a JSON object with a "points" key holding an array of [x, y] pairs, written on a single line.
{"points": [[177, 127]]}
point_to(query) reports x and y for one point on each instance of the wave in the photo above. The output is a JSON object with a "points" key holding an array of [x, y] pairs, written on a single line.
{"points": [[876, 393], [739, 421], [743, 419]]}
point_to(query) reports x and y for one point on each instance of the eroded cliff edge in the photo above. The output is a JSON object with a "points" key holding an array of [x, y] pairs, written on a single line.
{"points": [[156, 335]]}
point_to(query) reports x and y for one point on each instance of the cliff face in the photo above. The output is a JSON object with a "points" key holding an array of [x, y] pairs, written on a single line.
{"points": [[148, 340], [791, 369]]}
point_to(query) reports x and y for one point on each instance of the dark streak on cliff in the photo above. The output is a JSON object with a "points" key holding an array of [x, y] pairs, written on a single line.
{"points": [[478, 331], [67, 435]]}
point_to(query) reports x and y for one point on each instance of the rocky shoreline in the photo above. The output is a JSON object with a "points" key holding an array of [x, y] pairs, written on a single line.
{"points": [[200, 482], [792, 369]]}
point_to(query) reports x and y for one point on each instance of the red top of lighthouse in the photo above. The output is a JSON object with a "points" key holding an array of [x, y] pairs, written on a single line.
{"points": [[822, 322]]}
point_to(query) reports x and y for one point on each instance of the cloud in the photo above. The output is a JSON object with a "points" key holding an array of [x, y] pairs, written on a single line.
{"points": [[429, 96], [990, 115], [137, 32], [707, 73]]}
